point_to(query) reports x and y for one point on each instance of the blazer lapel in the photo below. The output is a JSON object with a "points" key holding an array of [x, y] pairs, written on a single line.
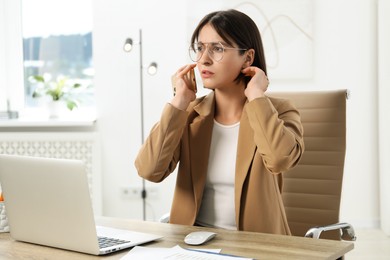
{"points": [[200, 141], [246, 148]]}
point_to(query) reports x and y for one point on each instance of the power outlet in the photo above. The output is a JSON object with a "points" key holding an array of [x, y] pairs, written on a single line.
{"points": [[131, 192], [135, 192]]}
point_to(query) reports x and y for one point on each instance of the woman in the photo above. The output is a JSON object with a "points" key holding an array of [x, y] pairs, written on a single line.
{"points": [[232, 145]]}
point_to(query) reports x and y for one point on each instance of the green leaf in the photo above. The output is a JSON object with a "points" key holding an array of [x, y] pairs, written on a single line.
{"points": [[53, 94], [36, 95], [71, 104], [38, 78]]}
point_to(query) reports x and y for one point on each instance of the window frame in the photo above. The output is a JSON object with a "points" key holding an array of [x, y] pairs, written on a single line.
{"points": [[11, 48]]}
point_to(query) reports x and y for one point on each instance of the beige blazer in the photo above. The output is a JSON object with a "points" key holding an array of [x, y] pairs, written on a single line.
{"points": [[270, 142]]}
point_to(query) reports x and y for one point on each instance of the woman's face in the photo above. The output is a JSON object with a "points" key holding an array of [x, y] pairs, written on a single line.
{"points": [[218, 74]]}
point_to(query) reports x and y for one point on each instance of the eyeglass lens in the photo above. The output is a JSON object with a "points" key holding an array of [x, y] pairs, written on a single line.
{"points": [[214, 49]]}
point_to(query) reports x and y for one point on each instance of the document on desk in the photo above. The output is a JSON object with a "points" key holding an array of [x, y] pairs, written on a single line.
{"points": [[176, 252]]}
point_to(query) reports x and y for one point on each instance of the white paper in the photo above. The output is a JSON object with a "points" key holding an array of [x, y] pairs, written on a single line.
{"points": [[175, 253]]}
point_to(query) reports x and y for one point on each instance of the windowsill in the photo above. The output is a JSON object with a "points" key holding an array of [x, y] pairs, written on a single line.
{"points": [[60, 122], [39, 118]]}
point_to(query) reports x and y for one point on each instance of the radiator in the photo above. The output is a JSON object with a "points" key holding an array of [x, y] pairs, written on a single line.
{"points": [[75, 145]]}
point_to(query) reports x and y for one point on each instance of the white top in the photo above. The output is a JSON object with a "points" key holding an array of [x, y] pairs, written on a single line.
{"points": [[217, 208]]}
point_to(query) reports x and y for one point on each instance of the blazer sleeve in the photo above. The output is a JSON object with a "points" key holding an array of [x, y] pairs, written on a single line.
{"points": [[160, 153], [278, 132]]}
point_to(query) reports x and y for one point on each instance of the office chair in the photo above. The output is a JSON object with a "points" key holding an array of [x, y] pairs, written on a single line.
{"points": [[312, 190]]}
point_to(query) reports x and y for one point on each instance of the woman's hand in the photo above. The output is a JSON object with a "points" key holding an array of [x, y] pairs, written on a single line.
{"points": [[181, 83], [258, 84]]}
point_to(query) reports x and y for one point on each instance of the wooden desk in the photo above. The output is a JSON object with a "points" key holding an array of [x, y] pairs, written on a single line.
{"points": [[247, 244]]}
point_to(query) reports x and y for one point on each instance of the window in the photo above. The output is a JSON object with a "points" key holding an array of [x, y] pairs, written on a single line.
{"points": [[46, 37]]}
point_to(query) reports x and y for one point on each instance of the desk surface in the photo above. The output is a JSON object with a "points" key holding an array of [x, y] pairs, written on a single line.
{"points": [[246, 244]]}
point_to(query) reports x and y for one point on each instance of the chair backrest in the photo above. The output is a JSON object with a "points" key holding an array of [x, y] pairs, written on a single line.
{"points": [[312, 190]]}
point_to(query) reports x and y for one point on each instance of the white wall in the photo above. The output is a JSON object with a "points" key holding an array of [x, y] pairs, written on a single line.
{"points": [[383, 109], [344, 57]]}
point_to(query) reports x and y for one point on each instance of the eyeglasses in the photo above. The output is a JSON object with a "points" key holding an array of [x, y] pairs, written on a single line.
{"points": [[214, 49]]}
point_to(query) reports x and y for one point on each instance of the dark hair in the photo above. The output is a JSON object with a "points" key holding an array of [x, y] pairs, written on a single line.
{"points": [[235, 27]]}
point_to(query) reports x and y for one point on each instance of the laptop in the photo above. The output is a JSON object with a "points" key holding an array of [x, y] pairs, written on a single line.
{"points": [[48, 203]]}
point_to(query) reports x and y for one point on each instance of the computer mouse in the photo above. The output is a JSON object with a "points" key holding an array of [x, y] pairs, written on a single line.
{"points": [[199, 237]]}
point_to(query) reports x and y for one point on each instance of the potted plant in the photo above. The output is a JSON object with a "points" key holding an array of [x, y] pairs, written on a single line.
{"points": [[59, 91]]}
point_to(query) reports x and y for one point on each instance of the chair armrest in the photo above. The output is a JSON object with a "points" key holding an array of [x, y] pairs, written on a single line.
{"points": [[348, 233], [164, 218]]}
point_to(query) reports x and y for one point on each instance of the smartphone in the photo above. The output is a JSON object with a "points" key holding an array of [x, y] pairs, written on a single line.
{"points": [[191, 77]]}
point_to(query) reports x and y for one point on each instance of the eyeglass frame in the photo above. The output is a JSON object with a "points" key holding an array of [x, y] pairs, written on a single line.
{"points": [[211, 52]]}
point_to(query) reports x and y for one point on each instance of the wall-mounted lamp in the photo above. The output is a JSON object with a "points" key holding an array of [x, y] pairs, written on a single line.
{"points": [[151, 70], [128, 45]]}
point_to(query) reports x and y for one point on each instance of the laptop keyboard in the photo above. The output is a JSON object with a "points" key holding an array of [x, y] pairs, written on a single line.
{"points": [[108, 241]]}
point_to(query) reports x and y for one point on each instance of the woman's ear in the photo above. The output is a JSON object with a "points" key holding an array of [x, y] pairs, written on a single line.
{"points": [[249, 58]]}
